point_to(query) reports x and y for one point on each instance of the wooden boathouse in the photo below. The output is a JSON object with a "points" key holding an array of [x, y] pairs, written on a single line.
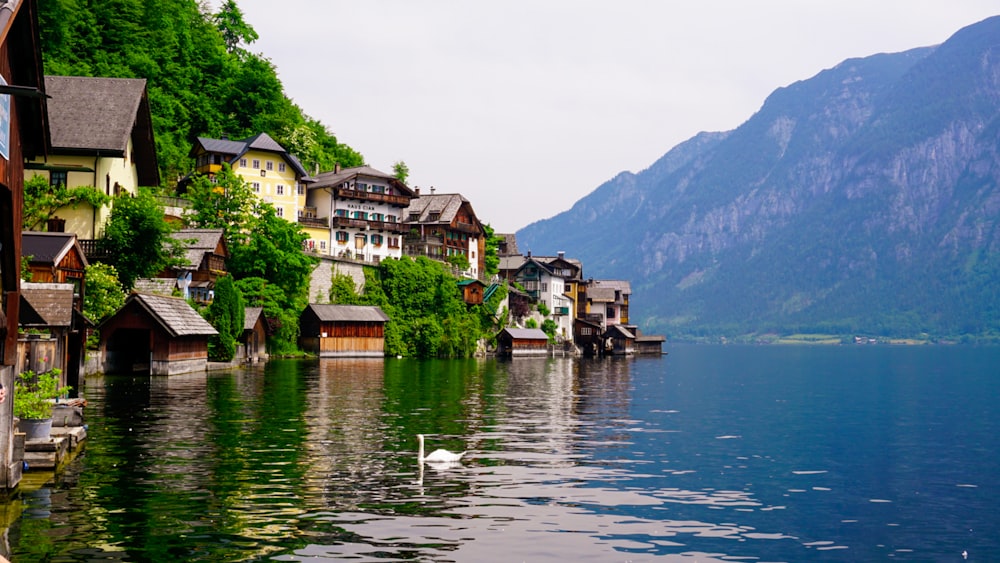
{"points": [[518, 342], [342, 331], [156, 335]]}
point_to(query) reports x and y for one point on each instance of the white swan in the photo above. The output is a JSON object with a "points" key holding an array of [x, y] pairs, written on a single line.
{"points": [[437, 456]]}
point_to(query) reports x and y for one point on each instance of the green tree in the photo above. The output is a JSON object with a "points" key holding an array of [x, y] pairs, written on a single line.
{"points": [[41, 200], [281, 313], [271, 248], [234, 29], [491, 257], [401, 171], [226, 315], [224, 202], [103, 296], [137, 238]]}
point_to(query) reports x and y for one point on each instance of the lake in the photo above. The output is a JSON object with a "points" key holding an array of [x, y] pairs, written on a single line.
{"points": [[712, 453]]}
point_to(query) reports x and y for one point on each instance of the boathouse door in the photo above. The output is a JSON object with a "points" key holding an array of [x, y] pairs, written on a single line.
{"points": [[129, 352]]}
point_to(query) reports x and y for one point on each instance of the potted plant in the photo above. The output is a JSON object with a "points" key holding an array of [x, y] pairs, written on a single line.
{"points": [[34, 397]]}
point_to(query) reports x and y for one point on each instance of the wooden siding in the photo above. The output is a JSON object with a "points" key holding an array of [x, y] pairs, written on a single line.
{"points": [[344, 346]]}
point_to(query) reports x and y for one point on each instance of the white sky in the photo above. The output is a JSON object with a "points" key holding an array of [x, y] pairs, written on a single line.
{"points": [[526, 106]]}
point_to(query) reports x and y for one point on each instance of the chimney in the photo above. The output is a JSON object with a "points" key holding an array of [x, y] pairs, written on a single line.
{"points": [[416, 191], [432, 190], [562, 254], [336, 168]]}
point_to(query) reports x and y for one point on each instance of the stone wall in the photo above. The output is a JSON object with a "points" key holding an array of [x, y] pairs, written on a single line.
{"points": [[322, 277]]}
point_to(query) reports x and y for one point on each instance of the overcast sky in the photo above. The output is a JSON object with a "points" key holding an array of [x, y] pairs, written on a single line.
{"points": [[526, 106]]}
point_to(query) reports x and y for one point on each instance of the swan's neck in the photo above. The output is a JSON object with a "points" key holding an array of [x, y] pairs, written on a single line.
{"points": [[420, 453]]}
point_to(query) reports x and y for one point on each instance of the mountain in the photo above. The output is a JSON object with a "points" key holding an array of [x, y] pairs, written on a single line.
{"points": [[862, 200]]}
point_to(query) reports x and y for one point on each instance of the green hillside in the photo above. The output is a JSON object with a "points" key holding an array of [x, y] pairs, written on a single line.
{"points": [[203, 78]]}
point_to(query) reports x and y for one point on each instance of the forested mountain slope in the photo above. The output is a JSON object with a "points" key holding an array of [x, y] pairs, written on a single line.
{"points": [[862, 200], [202, 77]]}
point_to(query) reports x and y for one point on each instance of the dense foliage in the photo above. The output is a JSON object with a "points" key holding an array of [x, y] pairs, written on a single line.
{"points": [[137, 238], [202, 80], [428, 317], [226, 315]]}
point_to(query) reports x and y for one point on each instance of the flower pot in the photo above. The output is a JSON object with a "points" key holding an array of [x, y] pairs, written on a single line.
{"points": [[36, 428]]}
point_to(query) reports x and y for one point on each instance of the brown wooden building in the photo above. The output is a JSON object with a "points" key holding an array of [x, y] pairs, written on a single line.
{"points": [[473, 291], [24, 133], [332, 331], [253, 341], [56, 331], [56, 258], [155, 335], [517, 342]]}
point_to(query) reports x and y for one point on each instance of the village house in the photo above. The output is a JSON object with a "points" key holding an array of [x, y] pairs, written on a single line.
{"points": [[102, 137], [607, 301], [547, 287], [56, 258], [355, 213], [274, 175], [473, 291], [338, 331], [155, 335], [203, 261], [441, 226]]}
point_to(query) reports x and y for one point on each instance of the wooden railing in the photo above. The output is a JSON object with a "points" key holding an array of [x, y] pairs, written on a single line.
{"points": [[400, 200]]}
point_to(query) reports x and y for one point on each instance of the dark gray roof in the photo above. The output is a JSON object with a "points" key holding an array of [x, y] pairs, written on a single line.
{"points": [[236, 149], [48, 304], [198, 242], [174, 314], [621, 330], [48, 248], [159, 286], [360, 313], [89, 115], [621, 285], [445, 205], [338, 177], [93, 113]]}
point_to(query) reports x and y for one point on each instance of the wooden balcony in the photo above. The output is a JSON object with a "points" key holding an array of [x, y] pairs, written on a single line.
{"points": [[344, 222], [320, 222], [345, 193]]}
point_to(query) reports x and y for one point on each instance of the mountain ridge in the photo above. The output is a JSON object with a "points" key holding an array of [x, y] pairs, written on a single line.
{"points": [[860, 200]]}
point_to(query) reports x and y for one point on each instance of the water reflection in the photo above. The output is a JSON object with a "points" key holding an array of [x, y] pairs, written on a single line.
{"points": [[584, 460]]}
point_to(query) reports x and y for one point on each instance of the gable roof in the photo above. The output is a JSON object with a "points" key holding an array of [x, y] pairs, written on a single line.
{"points": [[235, 149], [92, 116], [49, 248], [172, 313], [46, 304], [355, 313], [251, 315], [198, 242], [338, 177], [446, 206], [526, 333]]}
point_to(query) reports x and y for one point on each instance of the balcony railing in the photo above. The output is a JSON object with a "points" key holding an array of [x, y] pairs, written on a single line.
{"points": [[344, 222], [400, 200], [321, 222]]}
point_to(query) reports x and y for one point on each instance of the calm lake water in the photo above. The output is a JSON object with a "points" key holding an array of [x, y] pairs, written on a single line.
{"points": [[709, 454]]}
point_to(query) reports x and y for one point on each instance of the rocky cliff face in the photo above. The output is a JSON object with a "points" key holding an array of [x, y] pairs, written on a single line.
{"points": [[864, 199]]}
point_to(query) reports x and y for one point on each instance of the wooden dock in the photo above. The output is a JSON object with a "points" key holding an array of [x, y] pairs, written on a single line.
{"points": [[51, 453]]}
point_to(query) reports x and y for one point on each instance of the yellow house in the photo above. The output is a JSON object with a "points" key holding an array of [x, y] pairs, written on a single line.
{"points": [[274, 174], [102, 136]]}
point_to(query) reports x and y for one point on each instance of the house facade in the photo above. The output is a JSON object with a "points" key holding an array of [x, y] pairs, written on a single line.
{"points": [[102, 137], [355, 213], [546, 287], [274, 175], [204, 260], [520, 342], [441, 226]]}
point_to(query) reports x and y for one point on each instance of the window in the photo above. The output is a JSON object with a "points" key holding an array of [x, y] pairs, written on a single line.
{"points": [[280, 190], [263, 173], [377, 240], [362, 187], [256, 187], [342, 236], [340, 213], [281, 167], [243, 162], [610, 312], [360, 215], [378, 189], [256, 163], [58, 178], [390, 218], [279, 211], [269, 165], [322, 245], [301, 189], [393, 242], [377, 216], [545, 287]]}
